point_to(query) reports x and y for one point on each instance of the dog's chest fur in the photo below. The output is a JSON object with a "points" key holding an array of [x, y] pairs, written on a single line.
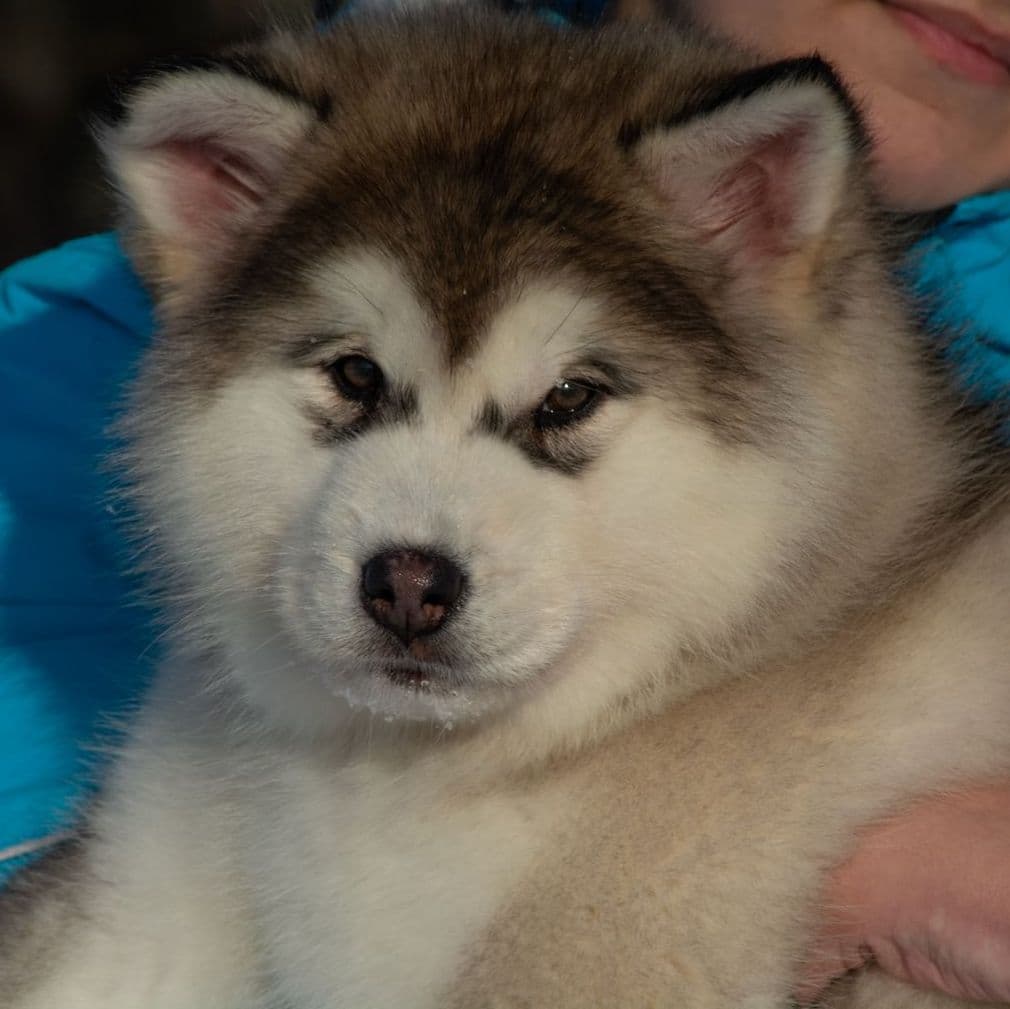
{"points": [[375, 878]]}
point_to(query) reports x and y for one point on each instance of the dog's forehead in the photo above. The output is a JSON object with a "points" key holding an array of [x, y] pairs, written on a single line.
{"points": [[479, 159], [446, 245], [534, 331], [467, 229]]}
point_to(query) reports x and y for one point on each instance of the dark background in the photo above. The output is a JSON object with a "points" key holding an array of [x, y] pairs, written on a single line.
{"points": [[58, 63]]}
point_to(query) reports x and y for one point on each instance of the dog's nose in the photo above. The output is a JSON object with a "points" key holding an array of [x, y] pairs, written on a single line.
{"points": [[410, 592]]}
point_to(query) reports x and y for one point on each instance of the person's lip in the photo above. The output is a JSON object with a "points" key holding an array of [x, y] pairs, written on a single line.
{"points": [[958, 42]]}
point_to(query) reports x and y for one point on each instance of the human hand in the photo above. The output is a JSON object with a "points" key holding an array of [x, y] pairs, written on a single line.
{"points": [[926, 895]]}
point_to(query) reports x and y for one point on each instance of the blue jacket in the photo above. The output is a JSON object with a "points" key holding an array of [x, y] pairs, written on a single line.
{"points": [[963, 271], [73, 323]]}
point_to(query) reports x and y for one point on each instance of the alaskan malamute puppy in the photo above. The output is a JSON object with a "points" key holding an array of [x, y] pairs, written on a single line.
{"points": [[570, 537]]}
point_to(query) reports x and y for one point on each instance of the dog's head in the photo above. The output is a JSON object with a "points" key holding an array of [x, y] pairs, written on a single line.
{"points": [[483, 379]]}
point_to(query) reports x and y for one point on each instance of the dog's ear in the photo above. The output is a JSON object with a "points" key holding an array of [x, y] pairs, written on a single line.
{"points": [[759, 172], [195, 152]]}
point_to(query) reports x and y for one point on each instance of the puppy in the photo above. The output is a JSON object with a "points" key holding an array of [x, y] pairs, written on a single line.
{"points": [[570, 537]]}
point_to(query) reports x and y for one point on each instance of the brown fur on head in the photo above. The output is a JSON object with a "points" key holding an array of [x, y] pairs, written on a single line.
{"points": [[537, 125]]}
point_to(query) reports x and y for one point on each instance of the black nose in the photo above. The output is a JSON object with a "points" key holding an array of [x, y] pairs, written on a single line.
{"points": [[409, 592]]}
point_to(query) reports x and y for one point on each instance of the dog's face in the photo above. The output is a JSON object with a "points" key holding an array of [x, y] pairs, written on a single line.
{"points": [[429, 536], [472, 397]]}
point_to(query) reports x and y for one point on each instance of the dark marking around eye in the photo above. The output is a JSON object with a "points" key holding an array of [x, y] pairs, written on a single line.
{"points": [[328, 430], [564, 446], [568, 460], [398, 405], [561, 452]]}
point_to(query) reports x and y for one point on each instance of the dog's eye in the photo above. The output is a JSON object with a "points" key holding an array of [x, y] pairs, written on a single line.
{"points": [[356, 377], [567, 402]]}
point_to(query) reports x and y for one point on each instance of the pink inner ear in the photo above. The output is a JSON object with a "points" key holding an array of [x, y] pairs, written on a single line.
{"points": [[755, 203], [210, 186]]}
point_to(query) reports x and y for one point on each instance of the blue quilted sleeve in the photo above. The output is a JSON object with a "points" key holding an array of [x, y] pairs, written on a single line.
{"points": [[73, 322], [963, 272]]}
